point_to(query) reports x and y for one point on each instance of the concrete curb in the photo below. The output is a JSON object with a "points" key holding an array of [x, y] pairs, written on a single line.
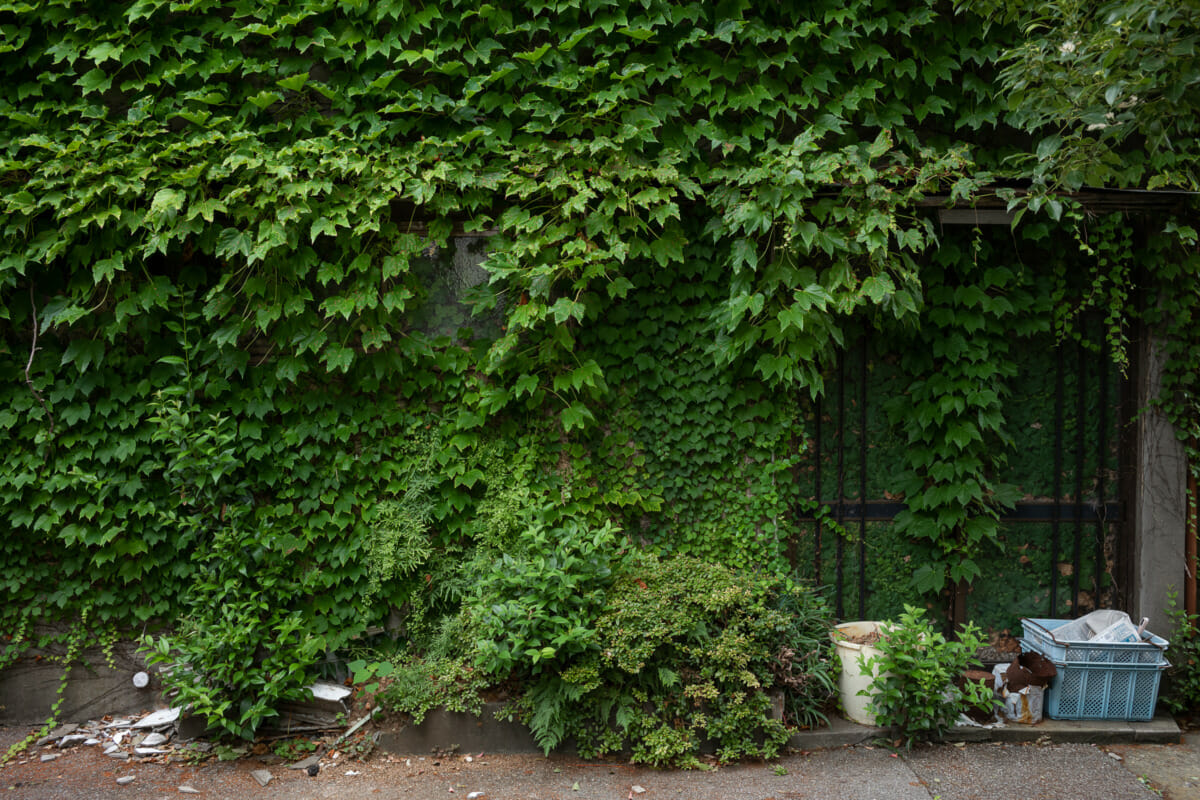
{"points": [[443, 730], [1160, 730]]}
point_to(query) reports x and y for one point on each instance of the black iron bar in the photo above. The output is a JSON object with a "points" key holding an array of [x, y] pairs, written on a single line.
{"points": [[839, 585], [1101, 463], [1057, 480], [1080, 444], [1028, 512], [817, 496], [862, 481]]}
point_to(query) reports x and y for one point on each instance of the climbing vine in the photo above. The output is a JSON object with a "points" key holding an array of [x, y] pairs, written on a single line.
{"points": [[338, 295]]}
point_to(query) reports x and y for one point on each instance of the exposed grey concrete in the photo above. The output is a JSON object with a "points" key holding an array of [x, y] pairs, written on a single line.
{"points": [[443, 730], [994, 771], [1174, 769], [1160, 730], [1159, 502], [841, 732], [29, 688], [1010, 771]]}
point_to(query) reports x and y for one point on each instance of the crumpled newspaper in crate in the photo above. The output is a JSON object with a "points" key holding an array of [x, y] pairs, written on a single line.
{"points": [[1105, 625]]}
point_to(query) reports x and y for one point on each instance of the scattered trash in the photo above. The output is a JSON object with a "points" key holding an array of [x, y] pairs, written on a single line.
{"points": [[186, 789], [1107, 667], [126, 780], [58, 733], [638, 789], [474, 795], [262, 776], [1022, 684], [306, 763], [323, 709], [1104, 625], [141, 680], [165, 716], [575, 786], [353, 772]]}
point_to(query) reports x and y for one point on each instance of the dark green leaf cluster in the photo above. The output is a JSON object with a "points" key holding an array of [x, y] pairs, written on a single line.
{"points": [[1111, 89], [952, 411], [536, 606], [308, 305], [919, 692], [688, 652], [1182, 689]]}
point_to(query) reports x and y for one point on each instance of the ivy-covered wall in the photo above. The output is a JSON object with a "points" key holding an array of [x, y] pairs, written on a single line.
{"points": [[242, 393]]}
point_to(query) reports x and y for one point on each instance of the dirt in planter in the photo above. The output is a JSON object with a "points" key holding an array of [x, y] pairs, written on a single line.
{"points": [[865, 638]]}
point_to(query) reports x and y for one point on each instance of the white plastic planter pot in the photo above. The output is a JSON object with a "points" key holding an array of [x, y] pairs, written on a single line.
{"points": [[853, 678]]}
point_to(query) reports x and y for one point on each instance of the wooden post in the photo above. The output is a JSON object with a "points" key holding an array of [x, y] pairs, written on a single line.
{"points": [[958, 606]]}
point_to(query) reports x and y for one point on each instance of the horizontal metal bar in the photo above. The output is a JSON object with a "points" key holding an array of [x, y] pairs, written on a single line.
{"points": [[884, 511]]}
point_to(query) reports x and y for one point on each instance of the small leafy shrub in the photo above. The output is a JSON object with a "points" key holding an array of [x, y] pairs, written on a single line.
{"points": [[916, 692], [540, 604], [1182, 690], [398, 543], [293, 749], [416, 685], [686, 651], [240, 654], [244, 649]]}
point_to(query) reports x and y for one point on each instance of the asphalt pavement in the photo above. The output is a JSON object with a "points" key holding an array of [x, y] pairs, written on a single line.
{"points": [[1026, 764]]}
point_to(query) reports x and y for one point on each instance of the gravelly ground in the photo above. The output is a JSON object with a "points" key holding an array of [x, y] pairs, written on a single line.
{"points": [[973, 771], [1175, 769]]}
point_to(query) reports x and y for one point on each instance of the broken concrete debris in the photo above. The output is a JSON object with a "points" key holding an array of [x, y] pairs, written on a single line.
{"points": [[324, 710], [154, 740], [306, 763], [165, 716]]}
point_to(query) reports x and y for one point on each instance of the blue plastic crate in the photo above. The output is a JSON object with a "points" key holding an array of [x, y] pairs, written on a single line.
{"points": [[1101, 691], [1151, 651]]}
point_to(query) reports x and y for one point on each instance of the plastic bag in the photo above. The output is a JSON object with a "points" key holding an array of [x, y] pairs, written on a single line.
{"points": [[1093, 626]]}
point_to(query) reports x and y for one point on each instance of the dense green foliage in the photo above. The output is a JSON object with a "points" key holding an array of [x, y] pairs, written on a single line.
{"points": [[685, 652], [1182, 688], [1110, 88], [539, 604], [916, 692], [252, 381]]}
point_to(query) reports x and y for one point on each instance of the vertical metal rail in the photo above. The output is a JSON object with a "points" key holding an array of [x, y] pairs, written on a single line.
{"points": [[1056, 515], [1080, 444], [839, 584], [862, 481], [1101, 467], [817, 493], [1190, 532]]}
